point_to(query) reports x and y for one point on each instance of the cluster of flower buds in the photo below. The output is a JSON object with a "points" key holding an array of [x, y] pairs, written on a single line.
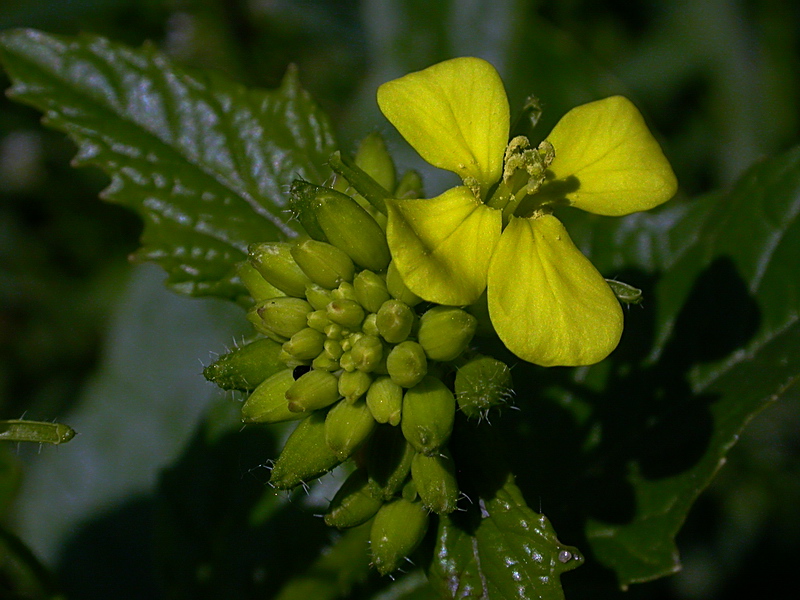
{"points": [[362, 362]]}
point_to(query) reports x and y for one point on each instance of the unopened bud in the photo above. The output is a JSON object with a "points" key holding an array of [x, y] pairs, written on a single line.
{"points": [[374, 159], [482, 383], [306, 344], [394, 321], [428, 413], [318, 320], [410, 186], [371, 291], [397, 288], [275, 263], [367, 353], [305, 455], [435, 478], [346, 362], [353, 504], [282, 316], [314, 390], [347, 313], [354, 384], [385, 400], [324, 264], [347, 426], [352, 229], [345, 291], [267, 403], [407, 364], [388, 461], [318, 296], [247, 366], [370, 324], [397, 530], [258, 287], [445, 332], [325, 363]]}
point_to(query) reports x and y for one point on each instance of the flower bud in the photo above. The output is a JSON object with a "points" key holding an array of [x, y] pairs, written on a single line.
{"points": [[394, 321], [283, 316], [275, 263], [346, 362], [435, 478], [258, 287], [445, 332], [318, 320], [306, 344], [305, 455], [345, 291], [410, 186], [354, 384], [367, 353], [333, 349], [407, 364], [373, 158], [347, 313], [388, 461], [429, 410], [397, 288], [397, 530], [370, 324], [324, 264], [314, 390], [482, 383], [247, 366], [353, 504], [385, 400], [351, 229], [318, 296], [267, 403], [325, 363], [347, 426], [371, 291]]}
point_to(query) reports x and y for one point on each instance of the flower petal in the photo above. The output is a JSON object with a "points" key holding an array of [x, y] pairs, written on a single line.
{"points": [[548, 303], [455, 114], [608, 148], [442, 246]]}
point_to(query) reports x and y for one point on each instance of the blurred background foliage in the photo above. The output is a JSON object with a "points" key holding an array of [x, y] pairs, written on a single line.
{"points": [[88, 339]]}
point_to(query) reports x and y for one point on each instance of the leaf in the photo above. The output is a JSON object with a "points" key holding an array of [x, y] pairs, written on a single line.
{"points": [[499, 549], [204, 161]]}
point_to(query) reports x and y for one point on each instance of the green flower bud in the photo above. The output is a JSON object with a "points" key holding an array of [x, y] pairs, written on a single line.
{"points": [[259, 288], [407, 364], [353, 504], [324, 264], [445, 332], [267, 403], [394, 321], [367, 353], [318, 320], [397, 530], [410, 186], [346, 362], [275, 263], [429, 410], [345, 291], [385, 400], [314, 390], [371, 291], [482, 383], [388, 461], [305, 455], [245, 367], [325, 363], [397, 288], [409, 491], [333, 349], [289, 360], [370, 324], [351, 229], [347, 313], [334, 331], [435, 478], [373, 158], [283, 316], [347, 426], [354, 384], [306, 344], [318, 296]]}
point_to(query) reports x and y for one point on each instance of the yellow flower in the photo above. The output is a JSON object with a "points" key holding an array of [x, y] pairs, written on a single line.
{"points": [[547, 302]]}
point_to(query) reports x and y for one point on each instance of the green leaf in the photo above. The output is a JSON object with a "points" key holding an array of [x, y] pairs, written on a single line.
{"points": [[204, 161], [499, 548]]}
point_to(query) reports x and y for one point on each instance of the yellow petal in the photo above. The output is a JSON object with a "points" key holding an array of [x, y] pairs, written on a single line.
{"points": [[455, 114], [547, 302], [608, 148], [442, 246]]}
